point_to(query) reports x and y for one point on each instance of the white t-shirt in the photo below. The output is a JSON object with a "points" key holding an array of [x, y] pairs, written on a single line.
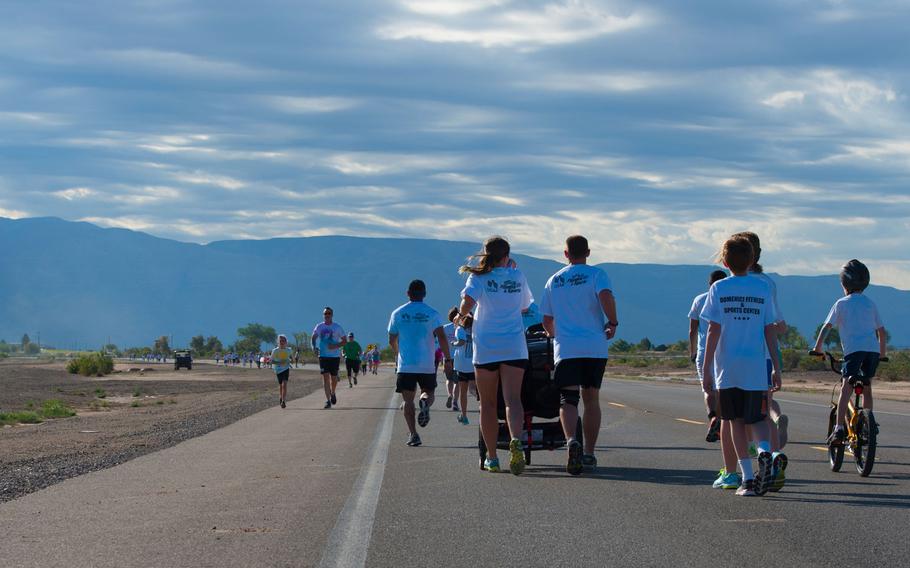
{"points": [[464, 353], [449, 330], [856, 319], [570, 297], [325, 334], [415, 323], [743, 307], [501, 295], [695, 314]]}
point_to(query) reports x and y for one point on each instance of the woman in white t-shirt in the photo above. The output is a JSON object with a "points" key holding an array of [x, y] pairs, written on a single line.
{"points": [[500, 293]]}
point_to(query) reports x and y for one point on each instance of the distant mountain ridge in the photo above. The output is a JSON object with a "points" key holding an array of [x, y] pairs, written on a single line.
{"points": [[78, 284]]}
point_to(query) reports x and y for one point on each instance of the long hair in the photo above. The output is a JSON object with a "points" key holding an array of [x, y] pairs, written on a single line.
{"points": [[756, 249], [494, 250]]}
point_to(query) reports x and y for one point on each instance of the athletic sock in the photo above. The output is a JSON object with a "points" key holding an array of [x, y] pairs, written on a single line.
{"points": [[745, 466], [763, 446]]}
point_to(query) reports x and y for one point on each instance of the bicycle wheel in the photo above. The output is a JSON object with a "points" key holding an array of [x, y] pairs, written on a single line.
{"points": [[835, 453], [866, 434]]}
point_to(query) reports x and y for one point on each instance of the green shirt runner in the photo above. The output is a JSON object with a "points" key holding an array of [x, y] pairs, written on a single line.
{"points": [[352, 350]]}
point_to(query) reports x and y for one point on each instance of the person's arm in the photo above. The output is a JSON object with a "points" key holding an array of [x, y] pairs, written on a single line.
{"points": [[440, 334], [467, 304], [882, 342], [608, 304], [707, 382], [693, 338], [314, 341], [822, 333], [548, 326], [393, 343], [771, 341]]}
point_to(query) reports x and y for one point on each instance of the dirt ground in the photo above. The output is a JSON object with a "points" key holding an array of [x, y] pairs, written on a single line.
{"points": [[794, 381], [122, 415]]}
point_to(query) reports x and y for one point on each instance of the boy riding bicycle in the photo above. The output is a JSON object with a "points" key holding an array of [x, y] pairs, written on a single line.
{"points": [[863, 339]]}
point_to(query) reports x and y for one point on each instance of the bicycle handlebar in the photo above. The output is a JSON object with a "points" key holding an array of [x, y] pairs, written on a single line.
{"points": [[834, 361]]}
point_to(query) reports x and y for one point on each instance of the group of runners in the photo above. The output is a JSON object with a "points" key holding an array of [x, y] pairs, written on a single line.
{"points": [[734, 329]]}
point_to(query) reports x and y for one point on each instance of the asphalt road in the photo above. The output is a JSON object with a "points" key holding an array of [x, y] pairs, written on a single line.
{"points": [[311, 487]]}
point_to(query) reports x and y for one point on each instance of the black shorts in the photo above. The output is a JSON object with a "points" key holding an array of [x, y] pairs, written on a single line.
{"points": [[586, 372], [283, 376], [465, 377], [450, 376], [750, 406], [860, 364], [352, 365], [329, 365], [519, 363], [363, 367], [409, 382]]}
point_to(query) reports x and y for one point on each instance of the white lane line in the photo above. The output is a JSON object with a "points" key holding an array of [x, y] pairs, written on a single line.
{"points": [[616, 404], [349, 541], [788, 401], [687, 421]]}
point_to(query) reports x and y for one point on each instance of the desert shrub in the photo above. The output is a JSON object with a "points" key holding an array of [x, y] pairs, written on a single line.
{"points": [[897, 369], [56, 409], [790, 359], [810, 363], [91, 365], [23, 417], [680, 363]]}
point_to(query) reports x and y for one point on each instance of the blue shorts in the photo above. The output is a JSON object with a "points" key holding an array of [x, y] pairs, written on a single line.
{"points": [[860, 364]]}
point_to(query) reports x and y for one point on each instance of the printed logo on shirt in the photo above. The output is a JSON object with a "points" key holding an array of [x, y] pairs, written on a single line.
{"points": [[492, 286], [511, 287], [559, 281], [743, 312], [415, 318], [578, 279]]}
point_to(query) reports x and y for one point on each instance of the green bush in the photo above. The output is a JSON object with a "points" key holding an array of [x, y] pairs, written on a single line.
{"points": [[56, 409], [23, 417], [897, 368], [91, 365]]}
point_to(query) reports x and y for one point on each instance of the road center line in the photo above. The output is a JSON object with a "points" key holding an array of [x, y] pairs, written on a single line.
{"points": [[687, 421], [616, 404], [349, 541]]}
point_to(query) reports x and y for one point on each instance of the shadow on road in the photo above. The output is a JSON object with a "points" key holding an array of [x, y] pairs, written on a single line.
{"points": [[640, 474], [850, 499]]}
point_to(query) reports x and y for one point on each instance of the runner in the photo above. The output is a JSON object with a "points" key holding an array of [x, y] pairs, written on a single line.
{"points": [[575, 301], [281, 362], [464, 367], [500, 293], [697, 330], [412, 328], [328, 337], [364, 361], [352, 351], [451, 377], [375, 360]]}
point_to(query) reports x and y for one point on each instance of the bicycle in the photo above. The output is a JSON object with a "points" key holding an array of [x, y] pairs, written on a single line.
{"points": [[861, 427]]}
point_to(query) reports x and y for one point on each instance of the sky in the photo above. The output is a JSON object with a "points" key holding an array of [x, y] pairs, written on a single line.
{"points": [[656, 129]]}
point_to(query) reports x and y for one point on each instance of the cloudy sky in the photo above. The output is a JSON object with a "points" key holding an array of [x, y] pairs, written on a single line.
{"points": [[655, 128]]}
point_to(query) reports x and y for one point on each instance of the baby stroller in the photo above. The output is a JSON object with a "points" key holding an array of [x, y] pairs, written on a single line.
{"points": [[540, 399]]}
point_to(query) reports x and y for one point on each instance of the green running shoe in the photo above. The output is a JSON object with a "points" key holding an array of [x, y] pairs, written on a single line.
{"points": [[573, 458], [720, 478], [516, 457], [492, 465], [778, 465], [731, 481]]}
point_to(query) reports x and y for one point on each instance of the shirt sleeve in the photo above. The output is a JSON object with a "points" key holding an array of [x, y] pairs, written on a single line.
{"points": [[877, 318], [602, 282], [778, 314], [472, 288], [546, 305], [460, 333], [393, 325], [694, 312], [832, 315], [712, 309], [339, 333], [526, 297]]}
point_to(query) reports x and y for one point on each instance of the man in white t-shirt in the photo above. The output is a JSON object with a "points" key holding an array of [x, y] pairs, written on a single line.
{"points": [[575, 302], [412, 329], [698, 328], [328, 338], [742, 325]]}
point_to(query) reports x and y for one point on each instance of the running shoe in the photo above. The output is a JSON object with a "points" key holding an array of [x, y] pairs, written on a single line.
{"points": [[455, 407], [713, 430], [747, 489], [763, 477], [414, 440], [753, 450], [778, 465], [282, 404], [516, 457], [573, 458], [589, 461], [720, 478], [731, 481], [423, 417], [783, 422], [837, 437], [350, 385], [449, 402], [492, 465], [334, 400], [328, 404], [463, 419], [355, 380]]}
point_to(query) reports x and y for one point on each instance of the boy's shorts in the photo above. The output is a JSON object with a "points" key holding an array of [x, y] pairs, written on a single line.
{"points": [[860, 364], [409, 382], [450, 376], [750, 406], [519, 363], [586, 372], [283, 376], [465, 377], [329, 365], [352, 365]]}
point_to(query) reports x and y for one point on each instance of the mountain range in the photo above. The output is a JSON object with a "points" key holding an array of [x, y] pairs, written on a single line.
{"points": [[77, 284]]}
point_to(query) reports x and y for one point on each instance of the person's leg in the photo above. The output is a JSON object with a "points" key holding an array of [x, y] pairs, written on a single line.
{"points": [[845, 391], [463, 387], [592, 418], [727, 448], [327, 385], [867, 396], [488, 387], [512, 378], [409, 415], [568, 410], [334, 382]]}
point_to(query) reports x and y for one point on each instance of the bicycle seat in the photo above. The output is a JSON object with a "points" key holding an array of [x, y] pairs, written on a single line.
{"points": [[858, 379]]}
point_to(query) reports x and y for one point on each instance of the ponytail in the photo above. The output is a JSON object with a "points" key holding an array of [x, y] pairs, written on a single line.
{"points": [[494, 250]]}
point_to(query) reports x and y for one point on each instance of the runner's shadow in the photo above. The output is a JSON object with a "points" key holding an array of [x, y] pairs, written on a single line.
{"points": [[683, 448], [684, 477], [852, 500]]}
